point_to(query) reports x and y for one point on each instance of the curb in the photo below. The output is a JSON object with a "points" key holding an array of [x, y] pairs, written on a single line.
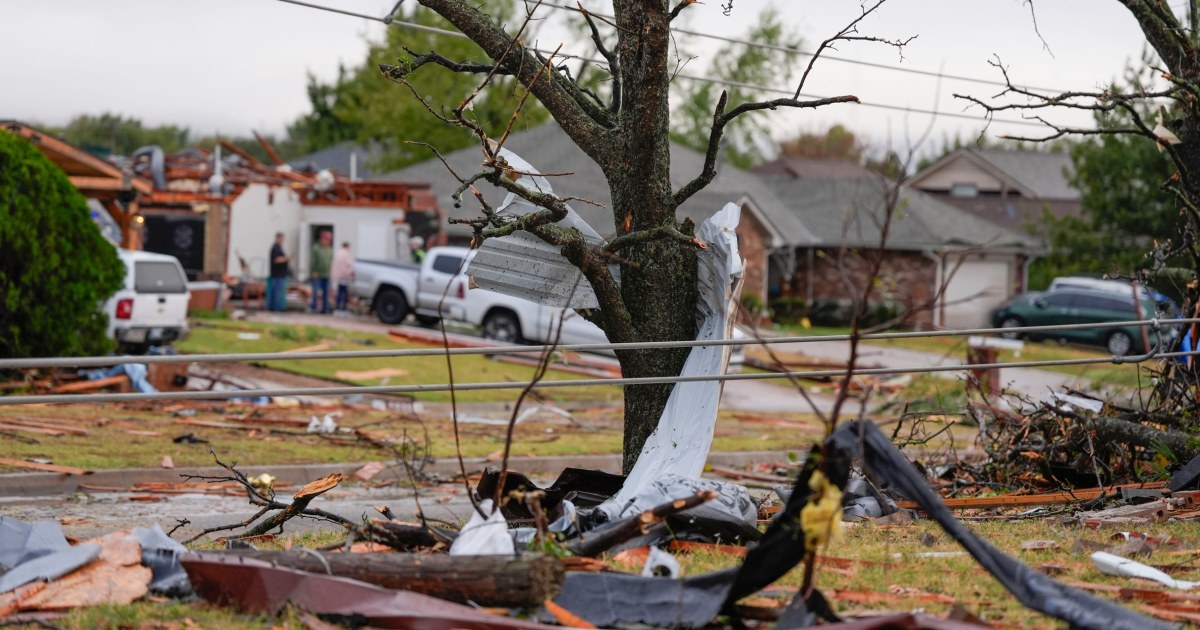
{"points": [[57, 484]]}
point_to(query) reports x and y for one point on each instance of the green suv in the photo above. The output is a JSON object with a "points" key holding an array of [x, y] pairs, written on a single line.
{"points": [[1079, 306]]}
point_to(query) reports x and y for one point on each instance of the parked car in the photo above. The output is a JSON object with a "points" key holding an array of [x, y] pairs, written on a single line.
{"points": [[1078, 306], [151, 307], [1164, 305]]}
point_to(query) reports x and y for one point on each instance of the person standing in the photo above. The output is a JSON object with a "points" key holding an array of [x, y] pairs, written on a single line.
{"points": [[341, 275], [277, 279], [319, 264]]}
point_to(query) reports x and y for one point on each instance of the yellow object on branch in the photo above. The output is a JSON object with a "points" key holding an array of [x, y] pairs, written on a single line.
{"points": [[821, 519]]}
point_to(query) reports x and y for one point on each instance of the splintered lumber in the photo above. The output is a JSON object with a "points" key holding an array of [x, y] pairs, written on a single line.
{"points": [[120, 380], [501, 581], [116, 577], [636, 525], [1014, 500], [31, 429], [20, 463], [300, 501]]}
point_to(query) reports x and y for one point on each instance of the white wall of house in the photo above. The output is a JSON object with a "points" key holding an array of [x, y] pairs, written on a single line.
{"points": [[261, 211], [254, 218], [980, 284]]}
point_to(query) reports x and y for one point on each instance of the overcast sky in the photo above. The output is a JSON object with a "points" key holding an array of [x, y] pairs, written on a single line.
{"points": [[236, 65]]}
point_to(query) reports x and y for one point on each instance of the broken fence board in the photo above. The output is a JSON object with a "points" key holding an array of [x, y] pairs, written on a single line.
{"points": [[55, 468]]}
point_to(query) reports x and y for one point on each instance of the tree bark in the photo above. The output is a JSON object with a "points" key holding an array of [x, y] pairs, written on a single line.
{"points": [[502, 581], [659, 286]]}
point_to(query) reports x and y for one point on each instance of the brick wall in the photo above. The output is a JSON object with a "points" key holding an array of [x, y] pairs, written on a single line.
{"points": [[752, 244], [906, 277]]}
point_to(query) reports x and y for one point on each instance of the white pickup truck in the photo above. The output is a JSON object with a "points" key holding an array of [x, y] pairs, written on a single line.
{"points": [[396, 289]]}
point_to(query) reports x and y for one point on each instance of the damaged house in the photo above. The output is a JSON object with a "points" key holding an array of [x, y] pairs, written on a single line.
{"points": [[217, 212]]}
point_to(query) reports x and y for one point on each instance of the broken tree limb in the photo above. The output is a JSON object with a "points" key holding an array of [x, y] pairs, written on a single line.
{"points": [[634, 526], [300, 501], [501, 581], [1109, 429], [407, 536]]}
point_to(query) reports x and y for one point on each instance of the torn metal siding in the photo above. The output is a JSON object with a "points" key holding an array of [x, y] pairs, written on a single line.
{"points": [[523, 265]]}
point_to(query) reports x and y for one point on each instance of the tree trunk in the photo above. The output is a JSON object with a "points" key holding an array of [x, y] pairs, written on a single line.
{"points": [[659, 286], [485, 580]]}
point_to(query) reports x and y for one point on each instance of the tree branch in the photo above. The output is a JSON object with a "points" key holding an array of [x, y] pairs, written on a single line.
{"points": [[721, 118], [588, 132], [848, 34], [614, 68]]}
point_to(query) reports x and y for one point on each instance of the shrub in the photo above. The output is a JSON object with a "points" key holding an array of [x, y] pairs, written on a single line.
{"points": [[56, 269]]}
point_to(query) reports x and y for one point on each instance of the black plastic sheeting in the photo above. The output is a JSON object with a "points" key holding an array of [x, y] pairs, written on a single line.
{"points": [[581, 486], [605, 599], [608, 599], [1034, 590]]}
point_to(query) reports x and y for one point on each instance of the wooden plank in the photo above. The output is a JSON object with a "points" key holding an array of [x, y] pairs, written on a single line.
{"points": [[43, 424], [84, 386], [28, 429], [20, 463], [1013, 500]]}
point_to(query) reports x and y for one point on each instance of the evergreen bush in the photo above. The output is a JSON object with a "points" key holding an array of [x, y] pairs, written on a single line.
{"points": [[56, 270]]}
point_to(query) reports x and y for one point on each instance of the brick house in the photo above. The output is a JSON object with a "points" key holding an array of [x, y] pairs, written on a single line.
{"points": [[950, 267]]}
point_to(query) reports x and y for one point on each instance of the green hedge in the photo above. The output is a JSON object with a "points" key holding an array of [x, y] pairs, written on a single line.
{"points": [[55, 268]]}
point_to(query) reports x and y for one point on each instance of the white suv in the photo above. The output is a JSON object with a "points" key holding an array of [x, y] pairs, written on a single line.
{"points": [[151, 307]]}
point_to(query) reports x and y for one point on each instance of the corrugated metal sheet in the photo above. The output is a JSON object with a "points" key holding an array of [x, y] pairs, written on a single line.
{"points": [[523, 265]]}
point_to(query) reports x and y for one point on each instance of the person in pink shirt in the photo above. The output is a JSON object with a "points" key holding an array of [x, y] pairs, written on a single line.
{"points": [[342, 274]]}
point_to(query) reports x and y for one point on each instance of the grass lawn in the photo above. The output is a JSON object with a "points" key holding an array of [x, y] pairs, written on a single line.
{"points": [[139, 435], [222, 337]]}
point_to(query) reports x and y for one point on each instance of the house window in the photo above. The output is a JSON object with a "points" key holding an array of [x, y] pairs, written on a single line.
{"points": [[964, 190]]}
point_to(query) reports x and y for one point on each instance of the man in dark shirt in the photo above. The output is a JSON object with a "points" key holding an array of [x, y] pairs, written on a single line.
{"points": [[277, 281]]}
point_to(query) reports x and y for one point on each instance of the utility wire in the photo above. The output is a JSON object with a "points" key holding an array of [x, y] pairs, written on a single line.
{"points": [[804, 53], [79, 362], [440, 31], [649, 380]]}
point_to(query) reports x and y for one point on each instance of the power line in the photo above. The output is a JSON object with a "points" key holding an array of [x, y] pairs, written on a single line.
{"points": [[804, 53], [900, 108], [649, 380], [80, 362]]}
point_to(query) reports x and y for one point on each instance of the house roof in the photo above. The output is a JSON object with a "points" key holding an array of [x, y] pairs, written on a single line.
{"points": [[850, 211], [813, 167], [1035, 174], [549, 149], [337, 159], [1043, 173]]}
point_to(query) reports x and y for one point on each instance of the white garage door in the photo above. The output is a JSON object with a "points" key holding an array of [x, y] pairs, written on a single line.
{"points": [[977, 287]]}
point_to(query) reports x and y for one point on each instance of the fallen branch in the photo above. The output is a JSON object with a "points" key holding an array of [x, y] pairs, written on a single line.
{"points": [[265, 499], [635, 526]]}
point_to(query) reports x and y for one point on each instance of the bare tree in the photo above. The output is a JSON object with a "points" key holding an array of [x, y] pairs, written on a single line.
{"points": [[626, 134], [1175, 39]]}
